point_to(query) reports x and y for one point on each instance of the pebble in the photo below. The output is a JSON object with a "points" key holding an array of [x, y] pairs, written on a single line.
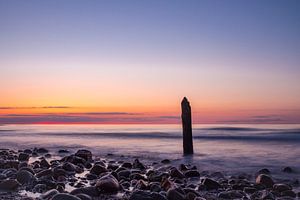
{"points": [[63, 196], [108, 184], [9, 184], [24, 176], [98, 169], [175, 194], [265, 180], [211, 184], [85, 154], [23, 157]]}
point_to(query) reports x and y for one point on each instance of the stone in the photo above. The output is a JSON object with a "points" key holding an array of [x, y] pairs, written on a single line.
{"points": [[108, 184], [233, 194], [44, 163], [264, 171], [288, 193], [41, 150], [211, 184], [192, 173], [287, 170], [85, 154], [24, 177], [63, 151], [249, 190], [98, 169], [265, 180], [84, 197], [127, 165], [23, 157], [49, 194], [146, 195], [28, 151], [166, 161], [90, 191], [175, 173], [69, 167], [175, 194], [124, 173], [46, 172], [138, 165], [281, 187], [64, 196], [9, 184]]}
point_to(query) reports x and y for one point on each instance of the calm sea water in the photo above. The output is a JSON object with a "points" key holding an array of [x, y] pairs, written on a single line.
{"points": [[217, 147]]}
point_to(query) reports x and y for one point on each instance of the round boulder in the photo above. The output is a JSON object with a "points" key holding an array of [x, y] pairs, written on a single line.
{"points": [[108, 184], [264, 180]]}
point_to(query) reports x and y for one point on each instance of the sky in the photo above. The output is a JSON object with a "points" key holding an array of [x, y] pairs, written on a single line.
{"points": [[74, 61]]}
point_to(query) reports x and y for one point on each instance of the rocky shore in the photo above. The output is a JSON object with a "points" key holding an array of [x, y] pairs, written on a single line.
{"points": [[37, 174]]}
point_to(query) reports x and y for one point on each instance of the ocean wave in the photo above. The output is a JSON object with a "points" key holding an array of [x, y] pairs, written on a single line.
{"points": [[285, 136]]}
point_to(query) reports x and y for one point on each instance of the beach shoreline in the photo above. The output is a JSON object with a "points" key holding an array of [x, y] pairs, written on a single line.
{"points": [[33, 172]]}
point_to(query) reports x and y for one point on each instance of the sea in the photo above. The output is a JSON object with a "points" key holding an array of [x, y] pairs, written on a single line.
{"points": [[222, 147]]}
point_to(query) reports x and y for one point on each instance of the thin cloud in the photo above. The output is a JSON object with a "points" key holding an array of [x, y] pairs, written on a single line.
{"points": [[257, 119], [41, 107], [103, 113], [106, 117]]}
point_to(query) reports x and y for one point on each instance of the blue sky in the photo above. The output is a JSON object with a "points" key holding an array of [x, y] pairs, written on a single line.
{"points": [[221, 54]]}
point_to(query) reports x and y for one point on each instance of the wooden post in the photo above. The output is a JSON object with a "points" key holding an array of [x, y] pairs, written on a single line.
{"points": [[186, 117]]}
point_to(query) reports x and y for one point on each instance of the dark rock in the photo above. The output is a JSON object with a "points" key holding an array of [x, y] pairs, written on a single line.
{"points": [[23, 157], [264, 171], [175, 194], [127, 165], [166, 161], [40, 188], [28, 151], [69, 167], [146, 195], [42, 150], [59, 172], [84, 197], [90, 176], [46, 172], [266, 195], [98, 169], [48, 155], [124, 173], [85, 154], [63, 151], [154, 187], [233, 194], [108, 184], [287, 170], [44, 163], [175, 173], [281, 187], [183, 167], [166, 184], [9, 184], [22, 165], [64, 196], [49, 194], [140, 195], [249, 190], [265, 180], [24, 177], [141, 185], [211, 184], [288, 193], [192, 173], [138, 165]]}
